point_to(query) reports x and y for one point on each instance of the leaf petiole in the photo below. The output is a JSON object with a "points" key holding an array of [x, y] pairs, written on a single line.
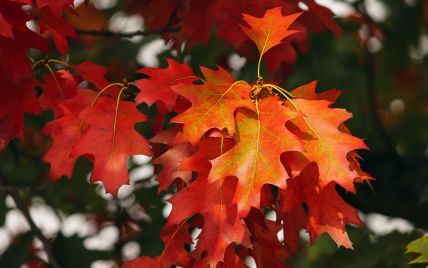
{"points": [[282, 92], [278, 88], [60, 62], [105, 89], [116, 111], [56, 80], [37, 63]]}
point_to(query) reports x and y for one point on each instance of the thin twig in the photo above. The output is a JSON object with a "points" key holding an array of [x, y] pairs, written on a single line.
{"points": [[45, 242], [13, 192], [109, 33], [9, 188], [118, 223]]}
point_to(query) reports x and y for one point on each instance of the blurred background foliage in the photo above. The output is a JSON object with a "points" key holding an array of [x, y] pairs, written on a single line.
{"points": [[380, 65]]}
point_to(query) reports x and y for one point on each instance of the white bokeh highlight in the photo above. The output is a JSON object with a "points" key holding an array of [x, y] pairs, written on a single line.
{"points": [[148, 54], [104, 240], [382, 225]]}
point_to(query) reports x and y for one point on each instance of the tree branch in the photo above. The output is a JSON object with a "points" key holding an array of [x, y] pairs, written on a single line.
{"points": [[108, 33], [13, 192], [45, 242], [9, 188]]}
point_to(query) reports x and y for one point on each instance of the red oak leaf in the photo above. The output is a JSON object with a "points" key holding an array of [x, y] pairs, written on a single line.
{"points": [[318, 17], [217, 98], [212, 201], [332, 216], [16, 76], [16, 40], [12, 115], [143, 262], [231, 259], [325, 143], [57, 88], [110, 139], [308, 92], [93, 73], [65, 132], [14, 17], [327, 212], [5, 27], [228, 16], [174, 253], [156, 13], [197, 23], [158, 86], [14, 63], [57, 27], [170, 160], [208, 149], [291, 210], [269, 30], [284, 53], [254, 160], [221, 225], [56, 6], [267, 250], [165, 136]]}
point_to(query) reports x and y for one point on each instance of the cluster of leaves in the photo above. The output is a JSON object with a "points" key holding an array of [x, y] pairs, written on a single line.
{"points": [[193, 22], [17, 77], [254, 150], [233, 150]]}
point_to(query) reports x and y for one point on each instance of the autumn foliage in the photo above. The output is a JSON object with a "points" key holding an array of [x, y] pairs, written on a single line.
{"points": [[233, 149]]}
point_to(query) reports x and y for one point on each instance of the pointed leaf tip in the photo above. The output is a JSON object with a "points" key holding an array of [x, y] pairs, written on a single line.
{"points": [[269, 30]]}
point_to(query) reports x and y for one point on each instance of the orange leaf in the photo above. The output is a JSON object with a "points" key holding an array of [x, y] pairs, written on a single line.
{"points": [[269, 30], [327, 212], [213, 104], [255, 160], [221, 224], [325, 143]]}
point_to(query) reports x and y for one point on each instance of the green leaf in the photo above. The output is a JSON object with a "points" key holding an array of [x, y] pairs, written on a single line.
{"points": [[419, 246]]}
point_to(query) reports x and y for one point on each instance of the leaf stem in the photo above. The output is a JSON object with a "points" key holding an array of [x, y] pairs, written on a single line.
{"points": [[60, 62], [278, 88], [103, 90], [37, 63], [116, 111], [297, 109], [56, 80], [258, 65]]}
